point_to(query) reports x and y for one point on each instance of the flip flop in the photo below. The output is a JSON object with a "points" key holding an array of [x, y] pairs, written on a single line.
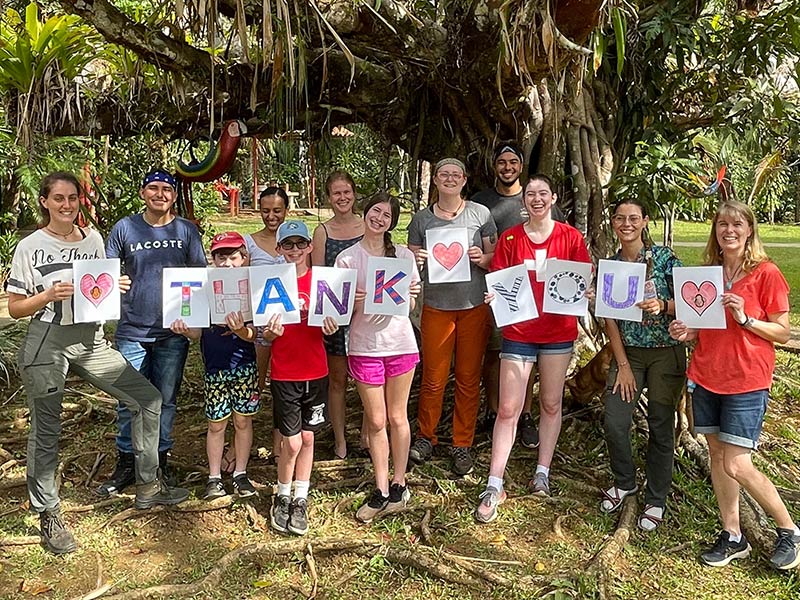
{"points": [[613, 497], [649, 521], [227, 465]]}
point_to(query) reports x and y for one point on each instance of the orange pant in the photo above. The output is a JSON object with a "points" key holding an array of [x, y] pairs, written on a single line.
{"points": [[444, 331]]}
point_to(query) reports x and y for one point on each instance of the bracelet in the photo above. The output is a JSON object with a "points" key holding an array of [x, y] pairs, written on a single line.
{"points": [[622, 364]]}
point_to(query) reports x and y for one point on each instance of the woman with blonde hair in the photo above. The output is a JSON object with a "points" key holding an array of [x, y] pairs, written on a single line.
{"points": [[733, 368]]}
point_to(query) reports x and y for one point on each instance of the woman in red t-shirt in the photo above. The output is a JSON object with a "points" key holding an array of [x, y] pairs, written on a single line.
{"points": [[729, 402], [547, 340]]}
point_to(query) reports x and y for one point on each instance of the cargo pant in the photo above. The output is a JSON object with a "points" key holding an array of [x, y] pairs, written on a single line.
{"points": [[46, 355]]}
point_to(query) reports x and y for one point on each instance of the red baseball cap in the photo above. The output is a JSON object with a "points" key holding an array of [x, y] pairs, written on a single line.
{"points": [[229, 239]]}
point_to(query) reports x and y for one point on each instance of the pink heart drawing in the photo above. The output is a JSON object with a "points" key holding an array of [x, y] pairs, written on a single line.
{"points": [[448, 256], [699, 298], [96, 290]]}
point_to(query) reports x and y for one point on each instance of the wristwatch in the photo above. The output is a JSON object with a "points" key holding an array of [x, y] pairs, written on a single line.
{"points": [[748, 321]]}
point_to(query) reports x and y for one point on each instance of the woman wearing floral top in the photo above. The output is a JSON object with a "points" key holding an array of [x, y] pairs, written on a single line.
{"points": [[645, 356]]}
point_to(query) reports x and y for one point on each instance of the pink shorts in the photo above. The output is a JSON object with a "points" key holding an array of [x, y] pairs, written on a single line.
{"points": [[373, 370]]}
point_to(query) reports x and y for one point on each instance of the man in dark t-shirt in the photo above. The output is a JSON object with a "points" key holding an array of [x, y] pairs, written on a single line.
{"points": [[145, 243]]}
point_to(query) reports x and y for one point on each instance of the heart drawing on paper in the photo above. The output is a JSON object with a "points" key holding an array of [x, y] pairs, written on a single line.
{"points": [[96, 290], [699, 298], [448, 256]]}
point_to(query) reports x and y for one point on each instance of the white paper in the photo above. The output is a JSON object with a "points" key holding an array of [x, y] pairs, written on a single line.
{"points": [[698, 297], [620, 286], [448, 261], [387, 285], [333, 293], [566, 282], [184, 296], [273, 290], [538, 264], [96, 297], [513, 300], [229, 291]]}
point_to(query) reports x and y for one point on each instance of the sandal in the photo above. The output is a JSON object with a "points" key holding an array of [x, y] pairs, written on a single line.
{"points": [[227, 465], [651, 518], [613, 497]]}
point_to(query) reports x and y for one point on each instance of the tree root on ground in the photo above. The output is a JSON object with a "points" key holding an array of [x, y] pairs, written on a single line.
{"points": [[189, 507], [28, 540], [603, 562]]}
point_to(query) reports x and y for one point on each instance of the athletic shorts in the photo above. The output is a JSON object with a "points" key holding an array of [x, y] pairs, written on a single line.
{"points": [[524, 352], [735, 418], [373, 370], [233, 390], [299, 405]]}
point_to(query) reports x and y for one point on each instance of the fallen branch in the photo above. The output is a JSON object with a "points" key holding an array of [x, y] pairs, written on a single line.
{"points": [[12, 484], [27, 540], [82, 508], [95, 468], [312, 569], [424, 527]]}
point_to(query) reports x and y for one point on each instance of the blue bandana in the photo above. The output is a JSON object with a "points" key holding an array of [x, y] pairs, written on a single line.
{"points": [[158, 175]]}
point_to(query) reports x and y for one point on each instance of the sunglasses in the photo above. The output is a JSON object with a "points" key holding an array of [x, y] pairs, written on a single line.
{"points": [[299, 244]]}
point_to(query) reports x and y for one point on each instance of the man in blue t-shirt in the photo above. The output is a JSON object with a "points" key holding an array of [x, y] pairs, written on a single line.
{"points": [[146, 243]]}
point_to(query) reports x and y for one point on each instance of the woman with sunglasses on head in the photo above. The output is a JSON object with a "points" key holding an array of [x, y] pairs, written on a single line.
{"points": [[338, 233], [382, 357], [645, 356], [455, 322], [732, 369]]}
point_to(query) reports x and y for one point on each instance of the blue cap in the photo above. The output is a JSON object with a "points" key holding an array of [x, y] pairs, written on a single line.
{"points": [[292, 229]]}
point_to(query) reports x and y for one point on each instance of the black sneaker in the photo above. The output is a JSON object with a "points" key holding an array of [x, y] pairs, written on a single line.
{"points": [[462, 460], [55, 535], [421, 451], [214, 489], [488, 422], [399, 496], [373, 507], [279, 515], [528, 434], [724, 551], [158, 492], [124, 475], [243, 486], [785, 556], [298, 519], [168, 474]]}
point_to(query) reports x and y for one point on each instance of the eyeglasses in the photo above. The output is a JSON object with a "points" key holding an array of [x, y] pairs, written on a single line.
{"points": [[622, 219], [454, 176], [300, 244]]}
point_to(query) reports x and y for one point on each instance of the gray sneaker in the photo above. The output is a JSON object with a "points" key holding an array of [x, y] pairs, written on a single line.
{"points": [[491, 498], [157, 492], [55, 534], [462, 460], [298, 516], [785, 556], [214, 489], [279, 515], [540, 485], [399, 495], [421, 451]]}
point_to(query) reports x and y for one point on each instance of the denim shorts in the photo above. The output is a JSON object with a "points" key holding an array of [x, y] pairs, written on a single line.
{"points": [[524, 352], [735, 418]]}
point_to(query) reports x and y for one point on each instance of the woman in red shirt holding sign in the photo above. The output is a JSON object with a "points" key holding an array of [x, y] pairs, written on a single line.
{"points": [[732, 369], [547, 340]]}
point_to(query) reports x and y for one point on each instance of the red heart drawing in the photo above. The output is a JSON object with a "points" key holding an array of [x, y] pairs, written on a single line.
{"points": [[448, 256], [699, 298], [96, 290]]}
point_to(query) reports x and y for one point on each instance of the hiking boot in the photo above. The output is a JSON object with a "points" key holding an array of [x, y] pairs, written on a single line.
{"points": [[158, 492], [124, 475], [724, 551], [372, 507], [540, 485], [243, 486], [528, 434], [488, 422], [462, 460], [55, 535], [279, 515], [168, 474], [491, 498], [785, 556], [214, 489], [421, 451], [298, 519], [398, 498]]}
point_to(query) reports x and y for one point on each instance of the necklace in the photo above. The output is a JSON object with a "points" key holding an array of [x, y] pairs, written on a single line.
{"points": [[729, 280], [63, 235], [450, 213]]}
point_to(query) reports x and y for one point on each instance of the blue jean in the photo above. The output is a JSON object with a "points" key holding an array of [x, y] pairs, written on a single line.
{"points": [[735, 418], [161, 362]]}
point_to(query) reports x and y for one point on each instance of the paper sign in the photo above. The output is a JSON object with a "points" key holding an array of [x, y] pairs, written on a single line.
{"points": [[448, 261], [698, 297], [273, 290], [184, 296], [96, 290], [333, 293], [229, 291], [513, 300], [566, 282], [620, 286], [387, 284], [537, 264]]}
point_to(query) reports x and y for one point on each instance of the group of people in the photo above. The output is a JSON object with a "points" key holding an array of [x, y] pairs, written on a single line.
{"points": [[308, 366]]}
